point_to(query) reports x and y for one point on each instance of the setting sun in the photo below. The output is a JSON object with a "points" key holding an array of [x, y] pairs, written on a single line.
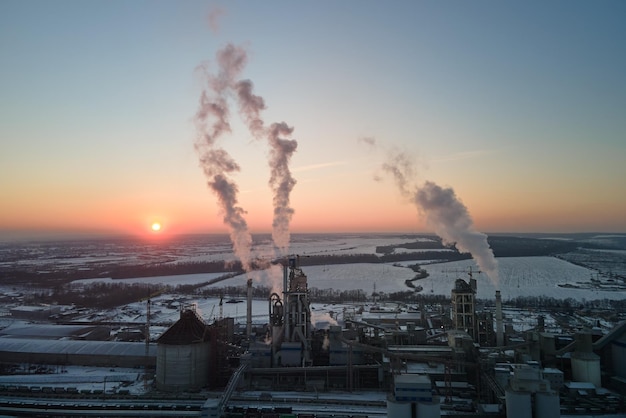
{"points": [[156, 226]]}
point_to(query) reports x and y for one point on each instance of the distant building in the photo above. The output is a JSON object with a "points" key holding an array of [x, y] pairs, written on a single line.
{"points": [[528, 395], [35, 312], [413, 397], [464, 307], [57, 332]]}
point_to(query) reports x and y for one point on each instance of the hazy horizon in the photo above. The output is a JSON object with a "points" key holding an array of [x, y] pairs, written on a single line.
{"points": [[51, 236]]}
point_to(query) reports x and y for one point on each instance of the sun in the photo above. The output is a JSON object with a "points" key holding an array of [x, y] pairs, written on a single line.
{"points": [[156, 227]]}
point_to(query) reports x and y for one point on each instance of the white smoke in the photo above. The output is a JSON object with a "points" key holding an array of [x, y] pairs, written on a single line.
{"points": [[443, 212], [449, 217], [212, 122], [321, 320]]}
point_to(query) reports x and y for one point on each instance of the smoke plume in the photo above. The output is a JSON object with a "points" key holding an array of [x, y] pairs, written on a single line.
{"points": [[212, 122], [445, 213], [453, 223], [281, 182], [281, 149]]}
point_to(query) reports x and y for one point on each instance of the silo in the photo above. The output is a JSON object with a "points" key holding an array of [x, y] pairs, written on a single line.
{"points": [[502, 376], [618, 353], [407, 409], [518, 404], [586, 368], [429, 409], [585, 364], [547, 405], [398, 409], [183, 354]]}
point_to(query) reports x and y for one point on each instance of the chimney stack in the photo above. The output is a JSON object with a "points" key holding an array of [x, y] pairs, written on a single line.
{"points": [[249, 309], [499, 323]]}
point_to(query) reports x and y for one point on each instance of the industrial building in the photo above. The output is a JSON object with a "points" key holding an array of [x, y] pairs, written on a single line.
{"points": [[430, 363]]}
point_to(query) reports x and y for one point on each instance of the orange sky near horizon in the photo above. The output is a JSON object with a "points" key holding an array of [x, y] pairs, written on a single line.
{"points": [[522, 118]]}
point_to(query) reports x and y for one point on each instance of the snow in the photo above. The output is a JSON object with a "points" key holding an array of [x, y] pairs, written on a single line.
{"points": [[83, 378], [174, 280], [518, 276]]}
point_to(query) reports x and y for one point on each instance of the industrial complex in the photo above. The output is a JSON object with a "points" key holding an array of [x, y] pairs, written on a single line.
{"points": [[462, 359]]}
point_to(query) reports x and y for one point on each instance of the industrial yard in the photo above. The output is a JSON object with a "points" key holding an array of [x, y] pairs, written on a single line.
{"points": [[545, 341]]}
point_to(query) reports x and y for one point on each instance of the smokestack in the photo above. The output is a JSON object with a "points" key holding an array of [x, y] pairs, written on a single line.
{"points": [[287, 309], [499, 323], [249, 310], [541, 323]]}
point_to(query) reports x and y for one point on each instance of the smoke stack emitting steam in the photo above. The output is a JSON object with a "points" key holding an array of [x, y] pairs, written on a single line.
{"points": [[212, 121], [446, 214]]}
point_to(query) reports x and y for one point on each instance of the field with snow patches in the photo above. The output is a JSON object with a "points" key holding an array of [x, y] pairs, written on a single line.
{"points": [[518, 276], [306, 245], [176, 280]]}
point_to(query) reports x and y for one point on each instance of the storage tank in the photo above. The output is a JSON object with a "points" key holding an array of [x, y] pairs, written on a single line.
{"points": [[518, 404], [547, 405], [586, 368], [398, 409], [502, 376], [618, 353], [183, 354], [428, 409]]}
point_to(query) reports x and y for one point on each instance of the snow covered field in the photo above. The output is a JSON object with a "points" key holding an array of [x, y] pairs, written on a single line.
{"points": [[518, 276]]}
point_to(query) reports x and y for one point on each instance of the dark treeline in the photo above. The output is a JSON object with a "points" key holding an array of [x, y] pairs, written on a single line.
{"points": [[96, 295], [110, 295], [47, 279], [229, 291], [529, 247], [53, 278], [169, 269], [337, 296], [568, 303], [317, 260], [434, 243], [503, 246]]}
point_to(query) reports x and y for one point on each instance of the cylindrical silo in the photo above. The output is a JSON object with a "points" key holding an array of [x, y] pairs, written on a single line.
{"points": [[428, 409], [518, 404], [183, 354], [547, 405], [586, 368], [182, 367], [398, 409]]}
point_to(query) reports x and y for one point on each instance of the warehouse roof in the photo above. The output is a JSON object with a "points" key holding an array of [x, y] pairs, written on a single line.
{"points": [[189, 329], [73, 347]]}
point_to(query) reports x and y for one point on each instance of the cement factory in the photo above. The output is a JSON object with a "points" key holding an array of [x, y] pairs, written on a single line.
{"points": [[427, 361]]}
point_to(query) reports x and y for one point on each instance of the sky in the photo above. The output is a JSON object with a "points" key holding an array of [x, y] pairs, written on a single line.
{"points": [[518, 107]]}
